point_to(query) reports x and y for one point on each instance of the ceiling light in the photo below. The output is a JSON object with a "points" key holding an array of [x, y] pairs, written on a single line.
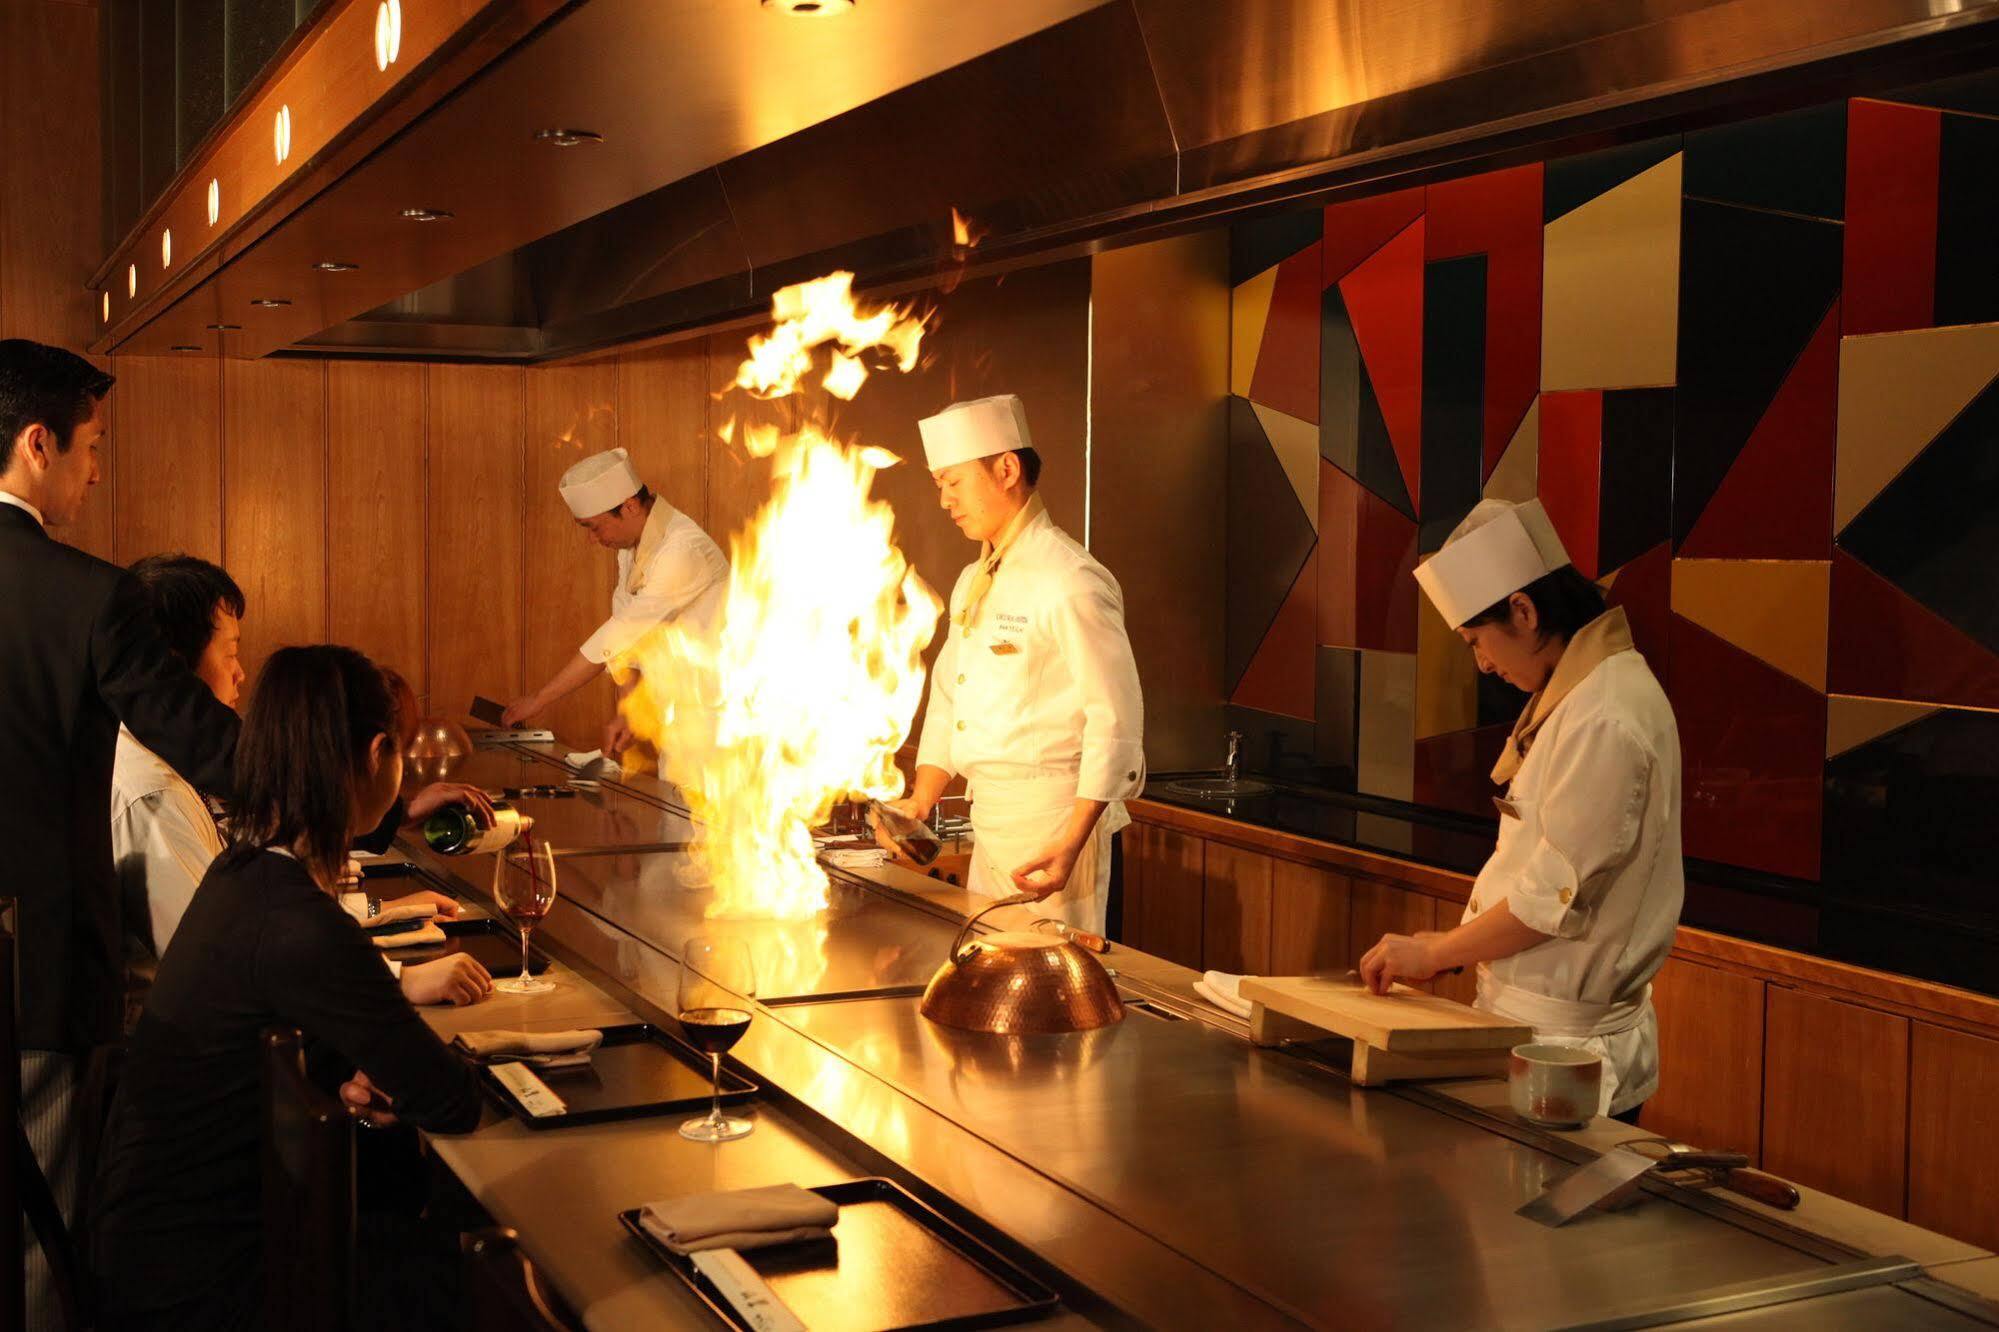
{"points": [[214, 202], [224, 328], [388, 33], [427, 215], [167, 248], [335, 266], [568, 138], [183, 346], [281, 134], [131, 279], [269, 302], [107, 307], [811, 8]]}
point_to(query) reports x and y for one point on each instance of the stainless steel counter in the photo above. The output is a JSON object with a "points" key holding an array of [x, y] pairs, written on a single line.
{"points": [[1161, 1170]]}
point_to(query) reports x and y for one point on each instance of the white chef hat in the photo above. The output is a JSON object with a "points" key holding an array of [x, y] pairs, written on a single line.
{"points": [[599, 483], [1498, 549], [976, 429]]}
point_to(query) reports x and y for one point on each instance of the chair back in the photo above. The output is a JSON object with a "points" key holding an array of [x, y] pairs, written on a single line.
{"points": [[308, 1205], [503, 1290]]}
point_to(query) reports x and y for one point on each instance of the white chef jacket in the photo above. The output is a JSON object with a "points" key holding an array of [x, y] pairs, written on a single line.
{"points": [[1589, 852], [1037, 703], [676, 573]]}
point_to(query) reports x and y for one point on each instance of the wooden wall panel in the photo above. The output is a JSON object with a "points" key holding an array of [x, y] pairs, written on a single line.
{"points": [[49, 195], [1162, 893], [1235, 910], [1308, 919], [572, 412], [477, 548], [1836, 1097], [1710, 1058], [166, 456], [1953, 1155], [375, 502], [663, 419], [274, 500], [1382, 908], [737, 483]]}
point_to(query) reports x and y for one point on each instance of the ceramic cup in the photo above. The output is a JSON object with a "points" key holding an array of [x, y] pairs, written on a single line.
{"points": [[1554, 1086]]}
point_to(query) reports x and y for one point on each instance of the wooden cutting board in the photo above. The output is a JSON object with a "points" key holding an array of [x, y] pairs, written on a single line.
{"points": [[1403, 1020]]}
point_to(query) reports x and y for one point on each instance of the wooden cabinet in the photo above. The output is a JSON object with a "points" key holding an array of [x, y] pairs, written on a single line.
{"points": [[1308, 919], [1710, 1058], [1235, 910], [1836, 1097], [1953, 1156], [1163, 892]]}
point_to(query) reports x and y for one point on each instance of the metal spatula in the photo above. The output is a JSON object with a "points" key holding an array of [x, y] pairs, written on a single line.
{"points": [[1586, 1186]]}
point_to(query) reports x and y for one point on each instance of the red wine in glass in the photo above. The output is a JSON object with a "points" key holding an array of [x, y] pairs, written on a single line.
{"points": [[714, 1031], [524, 889], [717, 979]]}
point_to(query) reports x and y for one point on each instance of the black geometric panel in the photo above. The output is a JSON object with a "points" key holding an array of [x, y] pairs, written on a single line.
{"points": [[1570, 182], [1794, 163], [1934, 531], [1635, 495], [1967, 290], [1453, 393], [1263, 241], [1977, 93], [1754, 286], [1269, 537], [1353, 434]]}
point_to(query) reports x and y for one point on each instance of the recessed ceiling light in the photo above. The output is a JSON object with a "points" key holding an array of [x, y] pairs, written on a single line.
{"points": [[427, 214], [214, 202], [388, 33], [131, 279], [811, 8], [224, 328], [183, 346], [167, 248], [107, 307], [269, 302], [281, 134], [335, 266], [568, 138]]}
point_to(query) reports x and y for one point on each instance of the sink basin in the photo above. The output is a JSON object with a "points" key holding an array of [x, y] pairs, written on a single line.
{"points": [[1217, 788]]}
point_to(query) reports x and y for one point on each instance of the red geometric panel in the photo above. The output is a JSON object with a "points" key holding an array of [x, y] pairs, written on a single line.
{"points": [[1367, 567], [1287, 364], [1885, 645], [1384, 298], [1281, 676], [1776, 501], [1454, 771], [1892, 156], [1752, 741], [1353, 231], [1644, 588], [1498, 214], [1572, 471]]}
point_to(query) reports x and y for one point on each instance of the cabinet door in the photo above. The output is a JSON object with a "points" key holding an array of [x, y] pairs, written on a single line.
{"points": [[1710, 1058], [1836, 1097], [1953, 1157], [1384, 908], [1308, 919], [1235, 910], [1162, 893]]}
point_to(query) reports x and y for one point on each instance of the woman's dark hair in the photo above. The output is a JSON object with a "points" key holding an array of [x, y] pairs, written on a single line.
{"points": [[1564, 601], [185, 592], [306, 736], [44, 385]]}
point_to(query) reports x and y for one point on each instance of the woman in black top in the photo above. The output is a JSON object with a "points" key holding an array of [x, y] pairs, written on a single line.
{"points": [[263, 944]]}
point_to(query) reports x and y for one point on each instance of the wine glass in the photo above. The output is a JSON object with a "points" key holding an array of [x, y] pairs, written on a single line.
{"points": [[717, 982], [524, 888]]}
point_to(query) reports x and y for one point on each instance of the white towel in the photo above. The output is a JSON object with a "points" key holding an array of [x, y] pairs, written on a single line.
{"points": [[1224, 991], [543, 1049], [741, 1219]]}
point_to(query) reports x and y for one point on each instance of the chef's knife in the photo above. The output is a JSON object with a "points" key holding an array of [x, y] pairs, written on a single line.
{"points": [[1583, 1188]]}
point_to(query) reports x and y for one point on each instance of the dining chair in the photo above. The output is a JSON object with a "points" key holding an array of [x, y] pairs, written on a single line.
{"points": [[308, 1195], [504, 1292]]}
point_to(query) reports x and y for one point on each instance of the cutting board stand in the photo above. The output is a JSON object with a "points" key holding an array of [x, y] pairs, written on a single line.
{"points": [[1403, 1036]]}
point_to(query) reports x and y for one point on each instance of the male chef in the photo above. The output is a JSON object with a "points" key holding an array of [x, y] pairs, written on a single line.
{"points": [[669, 571], [1034, 697]]}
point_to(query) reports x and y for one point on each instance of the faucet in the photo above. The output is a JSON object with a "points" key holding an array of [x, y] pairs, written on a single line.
{"points": [[1235, 749]]}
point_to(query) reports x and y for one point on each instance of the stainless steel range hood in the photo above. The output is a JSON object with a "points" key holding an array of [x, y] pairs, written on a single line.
{"points": [[1140, 117]]}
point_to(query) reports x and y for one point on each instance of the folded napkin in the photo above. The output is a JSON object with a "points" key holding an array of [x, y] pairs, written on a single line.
{"points": [[585, 760], [543, 1049], [419, 933], [1224, 991], [373, 912], [740, 1219]]}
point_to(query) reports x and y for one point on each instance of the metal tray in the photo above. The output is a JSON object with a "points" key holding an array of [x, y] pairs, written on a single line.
{"points": [[893, 1263], [497, 947], [639, 1070]]}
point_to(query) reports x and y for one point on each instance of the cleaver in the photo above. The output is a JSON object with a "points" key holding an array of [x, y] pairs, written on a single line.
{"points": [[486, 710], [1586, 1186]]}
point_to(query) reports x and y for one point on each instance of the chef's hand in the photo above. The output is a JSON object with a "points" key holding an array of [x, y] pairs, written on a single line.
{"points": [[1047, 872], [1398, 957], [367, 1102], [618, 737], [907, 805], [437, 795], [454, 979], [522, 709]]}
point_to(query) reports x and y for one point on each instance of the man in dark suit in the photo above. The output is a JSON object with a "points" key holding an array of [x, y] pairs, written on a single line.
{"points": [[79, 653]]}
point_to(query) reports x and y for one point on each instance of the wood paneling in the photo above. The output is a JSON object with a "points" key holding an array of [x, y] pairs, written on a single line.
{"points": [[1953, 1155], [1382, 908], [375, 423], [663, 420], [274, 501], [1308, 919], [1836, 1097], [477, 546], [1235, 911], [1710, 1058], [736, 483], [572, 412], [1162, 893], [49, 194], [166, 457]]}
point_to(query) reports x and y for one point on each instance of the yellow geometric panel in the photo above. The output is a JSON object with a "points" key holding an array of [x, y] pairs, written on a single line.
{"points": [[1610, 287], [1775, 610], [1386, 749], [1897, 391], [1248, 308], [1296, 444], [1516, 474], [1851, 722], [1446, 676]]}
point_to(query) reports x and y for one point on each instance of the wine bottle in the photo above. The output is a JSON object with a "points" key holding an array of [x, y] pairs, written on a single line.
{"points": [[455, 830]]}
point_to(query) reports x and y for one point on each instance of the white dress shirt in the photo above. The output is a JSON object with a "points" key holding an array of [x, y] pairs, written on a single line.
{"points": [[676, 573], [8, 497]]}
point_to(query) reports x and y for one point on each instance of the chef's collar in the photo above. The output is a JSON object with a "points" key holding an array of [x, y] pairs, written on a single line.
{"points": [[993, 552], [650, 536], [8, 497], [1589, 647]]}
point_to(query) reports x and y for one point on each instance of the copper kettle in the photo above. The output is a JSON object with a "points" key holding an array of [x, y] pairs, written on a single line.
{"points": [[1020, 983]]}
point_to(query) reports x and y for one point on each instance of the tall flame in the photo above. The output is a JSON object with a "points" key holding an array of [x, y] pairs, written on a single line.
{"points": [[802, 695]]}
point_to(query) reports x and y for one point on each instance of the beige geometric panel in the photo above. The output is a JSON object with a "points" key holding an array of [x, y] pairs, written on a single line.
{"points": [[1610, 287], [1851, 722], [1387, 745], [1296, 444], [1516, 475], [1446, 676], [1897, 391], [1775, 610], [1248, 308]]}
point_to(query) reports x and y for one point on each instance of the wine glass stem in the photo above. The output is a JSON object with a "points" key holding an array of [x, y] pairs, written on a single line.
{"points": [[525, 931], [715, 1084]]}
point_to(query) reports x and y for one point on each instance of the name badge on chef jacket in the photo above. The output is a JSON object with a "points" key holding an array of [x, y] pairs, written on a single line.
{"points": [[1505, 807]]}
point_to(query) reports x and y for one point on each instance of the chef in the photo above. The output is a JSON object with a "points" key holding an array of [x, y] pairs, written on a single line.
{"points": [[1034, 696], [1575, 911], [669, 571]]}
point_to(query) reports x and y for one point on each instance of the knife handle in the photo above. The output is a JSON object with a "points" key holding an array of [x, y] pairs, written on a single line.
{"points": [[1766, 1189]]}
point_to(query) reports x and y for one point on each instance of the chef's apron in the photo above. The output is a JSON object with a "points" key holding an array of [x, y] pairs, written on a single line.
{"points": [[1014, 818]]}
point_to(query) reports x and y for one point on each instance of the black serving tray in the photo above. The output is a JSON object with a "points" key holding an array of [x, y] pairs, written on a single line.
{"points": [[639, 1070], [497, 948], [892, 1264]]}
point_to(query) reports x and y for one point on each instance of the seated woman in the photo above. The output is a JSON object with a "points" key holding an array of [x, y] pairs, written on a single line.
{"points": [[263, 944]]}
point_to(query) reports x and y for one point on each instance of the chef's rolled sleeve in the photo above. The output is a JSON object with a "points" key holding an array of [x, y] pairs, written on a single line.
{"points": [[1089, 629], [1589, 812]]}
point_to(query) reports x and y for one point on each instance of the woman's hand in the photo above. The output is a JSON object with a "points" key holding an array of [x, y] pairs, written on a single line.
{"points": [[367, 1102], [1411, 957], [457, 978], [447, 906], [428, 800]]}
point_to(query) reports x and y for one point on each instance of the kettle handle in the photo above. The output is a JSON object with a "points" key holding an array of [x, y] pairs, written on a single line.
{"points": [[1016, 899]]}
